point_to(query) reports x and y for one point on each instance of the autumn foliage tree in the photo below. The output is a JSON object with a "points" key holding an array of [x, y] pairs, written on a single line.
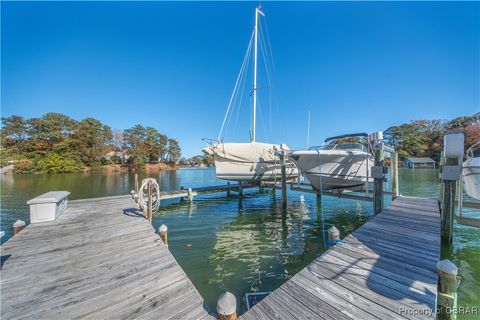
{"points": [[424, 138], [55, 142]]}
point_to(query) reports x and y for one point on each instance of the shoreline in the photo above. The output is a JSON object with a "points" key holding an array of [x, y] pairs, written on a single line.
{"points": [[109, 168]]}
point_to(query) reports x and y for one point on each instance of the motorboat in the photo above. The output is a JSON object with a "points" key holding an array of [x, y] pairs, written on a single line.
{"points": [[251, 161], [342, 162], [471, 172]]}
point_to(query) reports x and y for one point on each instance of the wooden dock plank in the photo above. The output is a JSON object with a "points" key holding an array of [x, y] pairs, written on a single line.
{"points": [[384, 267], [99, 259]]}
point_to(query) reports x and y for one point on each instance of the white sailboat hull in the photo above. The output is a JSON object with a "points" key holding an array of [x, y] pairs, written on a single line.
{"points": [[252, 162], [471, 177], [334, 169]]}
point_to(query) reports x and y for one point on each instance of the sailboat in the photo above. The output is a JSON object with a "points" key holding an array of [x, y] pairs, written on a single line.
{"points": [[249, 161], [336, 164], [471, 171]]}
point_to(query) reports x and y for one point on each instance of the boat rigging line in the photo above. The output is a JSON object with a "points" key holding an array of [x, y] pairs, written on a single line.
{"points": [[234, 93]]}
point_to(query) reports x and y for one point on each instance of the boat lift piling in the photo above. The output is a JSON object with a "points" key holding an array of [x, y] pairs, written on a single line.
{"points": [[394, 166], [378, 171], [450, 171], [240, 190], [284, 178]]}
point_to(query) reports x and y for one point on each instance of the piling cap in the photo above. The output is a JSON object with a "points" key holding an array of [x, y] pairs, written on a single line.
{"points": [[447, 266], [227, 304], [162, 228], [302, 198], [19, 223], [333, 231]]}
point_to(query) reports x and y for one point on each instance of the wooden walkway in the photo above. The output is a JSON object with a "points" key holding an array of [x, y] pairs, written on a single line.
{"points": [[183, 193], [100, 259], [384, 270]]}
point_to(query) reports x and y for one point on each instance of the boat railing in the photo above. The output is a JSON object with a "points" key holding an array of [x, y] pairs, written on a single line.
{"points": [[471, 152]]}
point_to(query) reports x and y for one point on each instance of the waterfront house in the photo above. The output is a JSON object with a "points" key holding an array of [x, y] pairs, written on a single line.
{"points": [[419, 162]]}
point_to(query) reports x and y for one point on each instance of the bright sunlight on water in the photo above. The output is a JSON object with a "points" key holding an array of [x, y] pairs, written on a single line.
{"points": [[224, 245]]}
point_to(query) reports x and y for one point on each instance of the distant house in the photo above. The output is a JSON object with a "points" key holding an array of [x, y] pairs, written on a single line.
{"points": [[415, 162]]}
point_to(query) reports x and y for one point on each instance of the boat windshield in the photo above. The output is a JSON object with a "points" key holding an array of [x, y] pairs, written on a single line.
{"points": [[340, 146]]}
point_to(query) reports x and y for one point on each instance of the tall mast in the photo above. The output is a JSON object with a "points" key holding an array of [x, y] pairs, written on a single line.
{"points": [[257, 11]]}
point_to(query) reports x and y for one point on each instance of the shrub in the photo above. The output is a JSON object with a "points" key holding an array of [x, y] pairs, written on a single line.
{"points": [[23, 166], [55, 163]]}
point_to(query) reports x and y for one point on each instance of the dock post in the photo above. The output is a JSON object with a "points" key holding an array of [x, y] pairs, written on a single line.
{"points": [[228, 190], [227, 306], [284, 179], [240, 190], [333, 236], [260, 188], [150, 200], [18, 226], [441, 189], [448, 207], [447, 289], [181, 198], [163, 231], [136, 183], [190, 195], [450, 173], [378, 172], [394, 166]]}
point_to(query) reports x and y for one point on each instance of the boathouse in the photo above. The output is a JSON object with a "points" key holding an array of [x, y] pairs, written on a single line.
{"points": [[419, 162]]}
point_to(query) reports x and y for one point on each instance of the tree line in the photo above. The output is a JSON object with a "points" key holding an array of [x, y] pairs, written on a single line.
{"points": [[424, 138], [56, 143]]}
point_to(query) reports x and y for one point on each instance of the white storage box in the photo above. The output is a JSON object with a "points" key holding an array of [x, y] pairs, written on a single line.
{"points": [[48, 206]]}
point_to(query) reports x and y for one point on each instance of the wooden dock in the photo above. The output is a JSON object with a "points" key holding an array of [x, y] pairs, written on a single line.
{"points": [[100, 259], [383, 270], [184, 193]]}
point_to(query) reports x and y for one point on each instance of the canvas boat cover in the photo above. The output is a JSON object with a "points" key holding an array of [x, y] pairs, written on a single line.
{"points": [[245, 152]]}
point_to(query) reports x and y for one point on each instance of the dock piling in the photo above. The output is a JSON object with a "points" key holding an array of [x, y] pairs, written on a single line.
{"points": [[394, 166], [227, 306], [447, 289], [163, 231], [228, 190], [182, 198], [190, 195], [450, 173], [18, 226], [240, 190], [150, 202], [284, 178], [333, 236], [136, 183], [378, 172]]}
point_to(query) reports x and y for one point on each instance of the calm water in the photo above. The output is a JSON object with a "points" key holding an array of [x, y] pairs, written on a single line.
{"points": [[253, 246]]}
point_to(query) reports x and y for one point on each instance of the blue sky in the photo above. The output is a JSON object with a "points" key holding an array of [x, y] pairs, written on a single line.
{"points": [[355, 66]]}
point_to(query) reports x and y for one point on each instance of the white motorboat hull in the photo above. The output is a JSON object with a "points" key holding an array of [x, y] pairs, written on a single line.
{"points": [[252, 162], [471, 177], [334, 169]]}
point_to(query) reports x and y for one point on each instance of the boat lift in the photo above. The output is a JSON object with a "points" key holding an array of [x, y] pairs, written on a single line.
{"points": [[451, 169]]}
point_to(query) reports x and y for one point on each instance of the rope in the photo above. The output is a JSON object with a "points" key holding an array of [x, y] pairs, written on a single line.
{"points": [[143, 194], [242, 69], [261, 121], [241, 94], [264, 49]]}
